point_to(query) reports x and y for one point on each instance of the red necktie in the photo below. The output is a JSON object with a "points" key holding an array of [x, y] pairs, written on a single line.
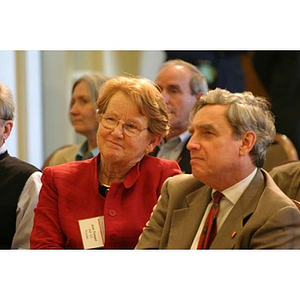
{"points": [[210, 227]]}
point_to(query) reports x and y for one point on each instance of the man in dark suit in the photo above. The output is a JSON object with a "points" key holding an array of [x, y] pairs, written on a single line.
{"points": [[230, 134], [181, 84]]}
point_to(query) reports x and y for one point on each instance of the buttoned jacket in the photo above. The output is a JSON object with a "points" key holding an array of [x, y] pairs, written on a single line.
{"points": [[70, 192]]}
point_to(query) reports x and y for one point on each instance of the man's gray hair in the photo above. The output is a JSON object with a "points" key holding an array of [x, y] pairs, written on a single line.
{"points": [[246, 112], [7, 105]]}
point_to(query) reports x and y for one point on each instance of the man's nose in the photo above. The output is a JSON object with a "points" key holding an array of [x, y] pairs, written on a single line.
{"points": [[166, 96], [192, 144]]}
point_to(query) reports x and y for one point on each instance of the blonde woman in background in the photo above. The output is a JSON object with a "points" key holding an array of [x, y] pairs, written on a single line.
{"points": [[83, 118]]}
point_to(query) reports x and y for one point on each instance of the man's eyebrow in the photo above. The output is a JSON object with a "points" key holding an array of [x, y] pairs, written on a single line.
{"points": [[176, 86], [206, 126], [202, 126]]}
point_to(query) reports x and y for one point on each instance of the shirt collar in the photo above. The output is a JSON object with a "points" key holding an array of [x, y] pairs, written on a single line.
{"points": [[234, 192], [83, 149], [183, 137], [3, 148], [131, 177]]}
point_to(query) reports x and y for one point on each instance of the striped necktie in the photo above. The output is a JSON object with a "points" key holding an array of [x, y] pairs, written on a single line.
{"points": [[210, 227]]}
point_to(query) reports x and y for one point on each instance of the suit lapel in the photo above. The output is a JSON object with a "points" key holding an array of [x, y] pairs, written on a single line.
{"points": [[155, 151], [230, 232], [184, 159], [186, 221]]}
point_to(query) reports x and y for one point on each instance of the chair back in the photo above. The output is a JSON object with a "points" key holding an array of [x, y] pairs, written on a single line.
{"points": [[281, 151], [297, 204]]}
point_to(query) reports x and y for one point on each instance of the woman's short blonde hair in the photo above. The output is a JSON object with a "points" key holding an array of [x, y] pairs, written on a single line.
{"points": [[145, 94]]}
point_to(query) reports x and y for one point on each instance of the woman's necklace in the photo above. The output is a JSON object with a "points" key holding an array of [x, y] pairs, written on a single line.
{"points": [[103, 184], [103, 188]]}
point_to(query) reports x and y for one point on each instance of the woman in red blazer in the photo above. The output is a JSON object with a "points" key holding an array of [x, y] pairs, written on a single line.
{"points": [[104, 202]]}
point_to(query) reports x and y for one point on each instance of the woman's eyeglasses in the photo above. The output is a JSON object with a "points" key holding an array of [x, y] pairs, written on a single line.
{"points": [[130, 128]]}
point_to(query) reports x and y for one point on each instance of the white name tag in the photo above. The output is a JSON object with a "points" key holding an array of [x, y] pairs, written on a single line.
{"points": [[92, 232]]}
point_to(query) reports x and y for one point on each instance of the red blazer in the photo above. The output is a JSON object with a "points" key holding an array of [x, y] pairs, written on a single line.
{"points": [[70, 193]]}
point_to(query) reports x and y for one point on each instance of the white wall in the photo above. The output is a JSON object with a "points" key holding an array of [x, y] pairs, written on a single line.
{"points": [[7, 76], [21, 72]]}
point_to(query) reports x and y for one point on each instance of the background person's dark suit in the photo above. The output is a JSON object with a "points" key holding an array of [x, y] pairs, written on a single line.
{"points": [[183, 159]]}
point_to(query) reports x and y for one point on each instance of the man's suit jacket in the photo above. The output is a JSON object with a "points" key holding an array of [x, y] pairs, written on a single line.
{"points": [[287, 177], [183, 159], [263, 217]]}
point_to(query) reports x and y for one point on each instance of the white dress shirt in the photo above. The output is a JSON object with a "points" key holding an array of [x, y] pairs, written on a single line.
{"points": [[230, 198]]}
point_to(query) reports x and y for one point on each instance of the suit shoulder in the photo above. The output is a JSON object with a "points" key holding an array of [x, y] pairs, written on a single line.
{"points": [[159, 162], [186, 182], [67, 149], [288, 169], [63, 154], [71, 167], [274, 193]]}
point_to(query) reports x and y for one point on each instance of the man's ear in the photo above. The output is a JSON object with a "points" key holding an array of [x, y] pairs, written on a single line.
{"points": [[154, 141], [8, 125], [247, 142]]}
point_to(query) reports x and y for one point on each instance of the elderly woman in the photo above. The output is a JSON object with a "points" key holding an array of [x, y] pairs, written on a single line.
{"points": [[119, 186], [84, 120]]}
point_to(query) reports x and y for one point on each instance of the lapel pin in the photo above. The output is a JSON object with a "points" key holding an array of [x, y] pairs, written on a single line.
{"points": [[233, 234]]}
